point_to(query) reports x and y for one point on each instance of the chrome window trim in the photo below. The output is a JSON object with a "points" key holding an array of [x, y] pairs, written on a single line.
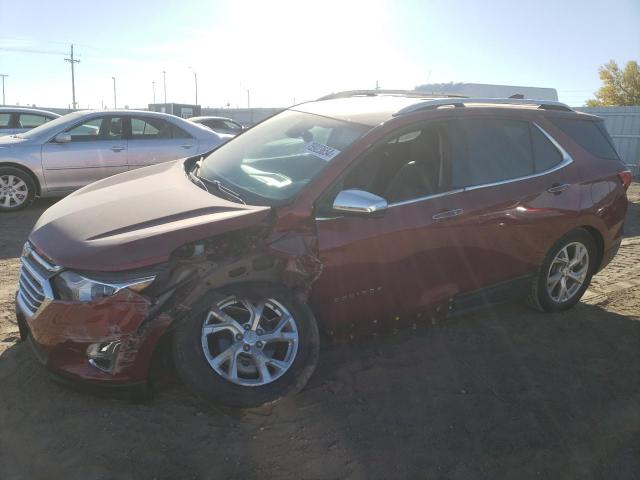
{"points": [[566, 160], [428, 197]]}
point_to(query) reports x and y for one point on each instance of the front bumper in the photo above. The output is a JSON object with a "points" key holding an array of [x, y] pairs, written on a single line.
{"points": [[61, 332]]}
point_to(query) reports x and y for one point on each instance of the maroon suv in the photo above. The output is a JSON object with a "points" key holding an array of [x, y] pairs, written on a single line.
{"points": [[347, 214]]}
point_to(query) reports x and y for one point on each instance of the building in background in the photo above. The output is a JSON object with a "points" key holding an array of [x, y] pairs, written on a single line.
{"points": [[183, 110], [485, 90]]}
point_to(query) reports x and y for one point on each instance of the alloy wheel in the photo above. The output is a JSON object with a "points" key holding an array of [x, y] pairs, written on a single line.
{"points": [[568, 272], [249, 343], [13, 191]]}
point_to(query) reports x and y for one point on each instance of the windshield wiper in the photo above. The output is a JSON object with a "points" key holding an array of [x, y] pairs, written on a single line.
{"points": [[224, 189], [216, 183]]}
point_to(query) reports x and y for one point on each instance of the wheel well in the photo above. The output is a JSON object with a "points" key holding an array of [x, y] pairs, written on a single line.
{"points": [[25, 170], [597, 237]]}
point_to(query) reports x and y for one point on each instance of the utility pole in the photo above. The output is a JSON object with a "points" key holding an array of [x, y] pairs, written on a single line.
{"points": [[73, 80], [153, 86], [195, 76], [164, 76], [3, 77], [248, 99], [115, 103]]}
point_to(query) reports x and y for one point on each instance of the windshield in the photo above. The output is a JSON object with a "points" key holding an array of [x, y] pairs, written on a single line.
{"points": [[275, 159], [51, 126]]}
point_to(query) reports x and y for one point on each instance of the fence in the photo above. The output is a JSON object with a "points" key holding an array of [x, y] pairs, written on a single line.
{"points": [[623, 124], [244, 116]]}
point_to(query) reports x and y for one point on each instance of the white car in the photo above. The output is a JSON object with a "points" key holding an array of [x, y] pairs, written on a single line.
{"points": [[17, 120], [79, 148]]}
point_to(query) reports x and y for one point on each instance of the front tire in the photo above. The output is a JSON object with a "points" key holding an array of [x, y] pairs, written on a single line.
{"points": [[247, 346], [17, 189], [565, 273]]}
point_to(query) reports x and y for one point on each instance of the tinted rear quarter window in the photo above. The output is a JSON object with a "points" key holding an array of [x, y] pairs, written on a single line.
{"points": [[590, 135]]}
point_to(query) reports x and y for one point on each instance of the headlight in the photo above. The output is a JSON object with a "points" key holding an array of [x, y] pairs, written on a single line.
{"points": [[73, 286]]}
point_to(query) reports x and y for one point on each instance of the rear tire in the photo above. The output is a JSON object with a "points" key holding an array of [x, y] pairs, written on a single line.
{"points": [[226, 357], [17, 189], [565, 273]]}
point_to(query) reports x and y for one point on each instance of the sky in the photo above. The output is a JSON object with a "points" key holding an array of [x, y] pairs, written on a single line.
{"points": [[279, 52]]}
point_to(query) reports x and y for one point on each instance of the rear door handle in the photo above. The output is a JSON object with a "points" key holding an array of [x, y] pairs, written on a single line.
{"points": [[448, 214], [186, 146], [117, 148], [557, 188]]}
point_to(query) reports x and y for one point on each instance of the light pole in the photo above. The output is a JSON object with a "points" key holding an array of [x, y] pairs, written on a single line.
{"points": [[3, 76], [164, 77], [153, 86], [115, 103], [195, 78]]}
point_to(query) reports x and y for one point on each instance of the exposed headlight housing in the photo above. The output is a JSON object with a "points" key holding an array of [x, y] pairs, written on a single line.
{"points": [[72, 286]]}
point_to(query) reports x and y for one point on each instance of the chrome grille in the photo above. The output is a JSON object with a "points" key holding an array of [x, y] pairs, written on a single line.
{"points": [[34, 288]]}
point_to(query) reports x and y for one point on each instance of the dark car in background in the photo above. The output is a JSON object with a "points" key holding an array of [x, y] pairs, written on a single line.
{"points": [[345, 215], [219, 124]]}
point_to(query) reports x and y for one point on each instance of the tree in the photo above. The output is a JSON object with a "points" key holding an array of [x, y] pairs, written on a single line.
{"points": [[619, 87]]}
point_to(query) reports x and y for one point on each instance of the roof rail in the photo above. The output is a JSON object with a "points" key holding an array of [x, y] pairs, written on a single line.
{"points": [[462, 102], [373, 93]]}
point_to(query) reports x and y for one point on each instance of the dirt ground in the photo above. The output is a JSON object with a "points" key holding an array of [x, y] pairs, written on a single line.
{"points": [[503, 393]]}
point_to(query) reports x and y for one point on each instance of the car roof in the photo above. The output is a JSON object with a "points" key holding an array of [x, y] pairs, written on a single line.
{"points": [[366, 110], [27, 110], [373, 108]]}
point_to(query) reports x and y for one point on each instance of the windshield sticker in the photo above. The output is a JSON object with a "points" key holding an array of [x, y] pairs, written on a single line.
{"points": [[325, 152]]}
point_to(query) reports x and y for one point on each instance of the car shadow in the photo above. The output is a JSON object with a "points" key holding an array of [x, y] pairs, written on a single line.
{"points": [[502, 393]]}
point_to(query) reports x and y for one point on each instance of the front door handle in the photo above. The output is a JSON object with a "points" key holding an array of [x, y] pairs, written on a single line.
{"points": [[557, 188], [117, 148], [186, 146], [448, 214]]}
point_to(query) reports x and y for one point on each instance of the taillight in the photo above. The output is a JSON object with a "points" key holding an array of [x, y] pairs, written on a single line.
{"points": [[625, 177]]}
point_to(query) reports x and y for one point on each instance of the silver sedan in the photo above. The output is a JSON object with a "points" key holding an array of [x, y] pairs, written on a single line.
{"points": [[21, 119], [79, 148]]}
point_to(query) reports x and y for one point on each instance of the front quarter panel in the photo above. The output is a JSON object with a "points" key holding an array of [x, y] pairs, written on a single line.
{"points": [[28, 156]]}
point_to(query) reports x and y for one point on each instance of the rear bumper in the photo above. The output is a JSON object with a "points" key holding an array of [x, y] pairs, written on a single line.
{"points": [[62, 332]]}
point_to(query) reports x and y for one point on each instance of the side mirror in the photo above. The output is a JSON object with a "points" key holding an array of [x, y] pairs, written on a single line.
{"points": [[62, 138], [359, 202]]}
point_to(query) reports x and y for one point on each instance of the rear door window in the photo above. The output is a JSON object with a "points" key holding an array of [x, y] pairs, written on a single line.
{"points": [[29, 120], [5, 118], [148, 128], [485, 151], [590, 135]]}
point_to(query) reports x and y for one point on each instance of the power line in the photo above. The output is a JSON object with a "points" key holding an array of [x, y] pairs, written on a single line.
{"points": [[31, 50], [73, 80]]}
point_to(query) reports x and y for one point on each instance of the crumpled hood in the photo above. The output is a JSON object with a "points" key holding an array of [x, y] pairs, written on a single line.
{"points": [[136, 219]]}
